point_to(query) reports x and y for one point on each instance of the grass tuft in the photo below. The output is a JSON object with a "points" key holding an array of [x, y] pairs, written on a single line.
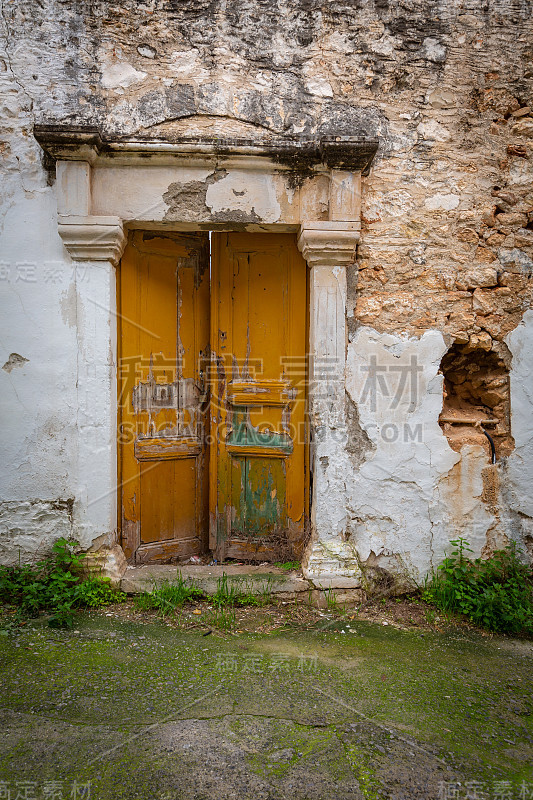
{"points": [[240, 591], [167, 597]]}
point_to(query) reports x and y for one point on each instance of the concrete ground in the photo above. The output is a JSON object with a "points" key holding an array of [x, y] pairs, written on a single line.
{"points": [[128, 706]]}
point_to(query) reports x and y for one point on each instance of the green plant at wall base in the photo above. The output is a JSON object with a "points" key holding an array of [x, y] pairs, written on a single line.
{"points": [[332, 603], [495, 593], [169, 596], [257, 596], [431, 616], [227, 593], [54, 585]]}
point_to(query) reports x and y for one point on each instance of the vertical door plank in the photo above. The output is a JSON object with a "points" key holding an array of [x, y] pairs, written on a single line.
{"points": [[164, 340], [259, 336]]}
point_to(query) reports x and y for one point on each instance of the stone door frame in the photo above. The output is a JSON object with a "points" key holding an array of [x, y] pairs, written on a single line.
{"points": [[310, 187]]}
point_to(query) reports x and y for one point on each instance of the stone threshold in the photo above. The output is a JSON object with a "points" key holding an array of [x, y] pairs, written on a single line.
{"points": [[289, 586]]}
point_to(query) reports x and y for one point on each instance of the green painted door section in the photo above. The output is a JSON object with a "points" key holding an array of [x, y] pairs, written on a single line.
{"points": [[258, 471]]}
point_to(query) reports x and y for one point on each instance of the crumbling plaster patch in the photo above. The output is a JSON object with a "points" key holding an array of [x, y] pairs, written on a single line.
{"points": [[29, 528], [120, 75], [238, 196], [395, 384], [186, 200], [461, 510], [253, 196], [413, 493], [14, 361]]}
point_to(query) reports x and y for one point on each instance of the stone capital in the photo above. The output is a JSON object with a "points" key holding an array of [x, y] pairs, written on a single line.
{"points": [[329, 244], [91, 238]]}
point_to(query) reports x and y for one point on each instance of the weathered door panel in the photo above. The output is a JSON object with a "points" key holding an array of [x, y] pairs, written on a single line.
{"points": [[259, 334], [163, 349]]}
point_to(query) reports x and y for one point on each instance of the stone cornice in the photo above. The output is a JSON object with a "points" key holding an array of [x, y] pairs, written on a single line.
{"points": [[301, 156], [329, 244], [93, 238]]}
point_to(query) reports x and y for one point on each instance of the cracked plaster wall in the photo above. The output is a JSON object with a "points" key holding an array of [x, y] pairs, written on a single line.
{"points": [[518, 473], [404, 526], [446, 253], [410, 453]]}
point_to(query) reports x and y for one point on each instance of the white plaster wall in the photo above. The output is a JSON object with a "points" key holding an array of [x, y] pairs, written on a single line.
{"points": [[518, 476], [57, 389], [38, 396], [413, 493]]}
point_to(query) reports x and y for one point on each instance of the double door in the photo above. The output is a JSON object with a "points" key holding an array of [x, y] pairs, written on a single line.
{"points": [[212, 396]]}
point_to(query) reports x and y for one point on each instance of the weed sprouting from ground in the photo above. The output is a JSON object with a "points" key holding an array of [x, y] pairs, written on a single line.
{"points": [[54, 585], [228, 592], [233, 592], [288, 566], [169, 596], [240, 592], [495, 593], [332, 603], [223, 618]]}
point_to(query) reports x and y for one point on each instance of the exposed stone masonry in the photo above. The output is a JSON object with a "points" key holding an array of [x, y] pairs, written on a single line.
{"points": [[445, 87], [470, 278], [476, 397]]}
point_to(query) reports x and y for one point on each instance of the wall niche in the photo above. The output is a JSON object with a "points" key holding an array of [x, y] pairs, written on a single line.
{"points": [[476, 400]]}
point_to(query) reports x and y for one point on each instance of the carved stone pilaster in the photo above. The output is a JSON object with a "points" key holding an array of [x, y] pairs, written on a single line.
{"points": [[98, 242], [89, 238], [328, 247]]}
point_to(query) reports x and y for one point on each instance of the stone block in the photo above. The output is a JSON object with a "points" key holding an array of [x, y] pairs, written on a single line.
{"points": [[106, 563], [478, 277], [524, 127], [511, 220], [515, 260], [484, 255]]}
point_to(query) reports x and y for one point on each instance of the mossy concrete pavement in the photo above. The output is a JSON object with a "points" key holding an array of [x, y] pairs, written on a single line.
{"points": [[346, 709]]}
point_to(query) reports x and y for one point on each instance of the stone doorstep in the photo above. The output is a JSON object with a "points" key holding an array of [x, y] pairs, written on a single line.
{"points": [[285, 585]]}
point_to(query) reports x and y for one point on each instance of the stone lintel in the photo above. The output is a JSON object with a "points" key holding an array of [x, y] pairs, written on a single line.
{"points": [[299, 156]]}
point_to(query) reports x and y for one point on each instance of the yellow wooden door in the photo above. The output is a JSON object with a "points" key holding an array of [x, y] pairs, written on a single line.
{"points": [[163, 288], [258, 495]]}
